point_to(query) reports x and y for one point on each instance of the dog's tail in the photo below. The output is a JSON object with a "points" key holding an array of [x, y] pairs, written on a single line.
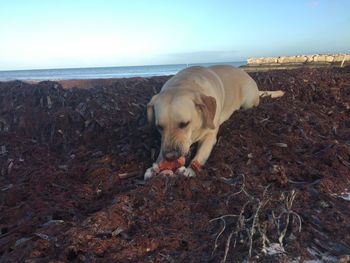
{"points": [[273, 94]]}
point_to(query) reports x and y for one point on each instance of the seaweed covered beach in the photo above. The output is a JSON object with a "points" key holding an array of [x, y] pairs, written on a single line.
{"points": [[275, 189]]}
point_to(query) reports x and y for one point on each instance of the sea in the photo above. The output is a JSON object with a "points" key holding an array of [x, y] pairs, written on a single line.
{"points": [[102, 72]]}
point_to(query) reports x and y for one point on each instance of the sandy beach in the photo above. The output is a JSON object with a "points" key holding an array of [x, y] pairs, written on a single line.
{"points": [[72, 162]]}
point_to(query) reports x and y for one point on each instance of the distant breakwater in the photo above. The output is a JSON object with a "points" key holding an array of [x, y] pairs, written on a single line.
{"points": [[300, 59]]}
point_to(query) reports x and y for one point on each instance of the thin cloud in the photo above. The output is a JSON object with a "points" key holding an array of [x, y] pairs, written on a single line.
{"points": [[201, 56]]}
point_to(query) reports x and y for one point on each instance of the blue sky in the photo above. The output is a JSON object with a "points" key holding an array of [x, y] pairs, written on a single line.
{"points": [[67, 33]]}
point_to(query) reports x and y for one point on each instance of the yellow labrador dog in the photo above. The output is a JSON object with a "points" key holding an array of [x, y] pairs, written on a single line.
{"points": [[193, 104]]}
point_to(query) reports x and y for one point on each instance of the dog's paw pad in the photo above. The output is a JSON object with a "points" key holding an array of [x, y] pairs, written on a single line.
{"points": [[187, 172]]}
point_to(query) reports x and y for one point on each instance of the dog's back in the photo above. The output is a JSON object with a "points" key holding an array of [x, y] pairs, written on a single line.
{"points": [[240, 89]]}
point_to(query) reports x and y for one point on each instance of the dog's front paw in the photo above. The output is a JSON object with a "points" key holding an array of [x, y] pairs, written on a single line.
{"points": [[150, 172], [187, 172]]}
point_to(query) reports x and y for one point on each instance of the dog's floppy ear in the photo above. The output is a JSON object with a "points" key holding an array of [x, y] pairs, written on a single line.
{"points": [[207, 105], [150, 110]]}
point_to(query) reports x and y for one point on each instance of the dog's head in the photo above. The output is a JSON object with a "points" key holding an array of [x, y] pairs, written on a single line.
{"points": [[180, 117]]}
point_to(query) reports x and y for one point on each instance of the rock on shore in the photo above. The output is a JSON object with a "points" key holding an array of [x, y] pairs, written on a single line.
{"points": [[319, 58]]}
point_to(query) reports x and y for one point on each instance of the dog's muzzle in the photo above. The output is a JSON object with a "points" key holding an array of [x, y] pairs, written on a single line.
{"points": [[172, 154]]}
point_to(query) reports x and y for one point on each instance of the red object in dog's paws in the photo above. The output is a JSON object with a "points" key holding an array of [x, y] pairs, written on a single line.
{"points": [[196, 166], [173, 165]]}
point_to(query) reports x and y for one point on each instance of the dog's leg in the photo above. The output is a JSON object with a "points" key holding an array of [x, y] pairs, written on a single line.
{"points": [[160, 157], [204, 149]]}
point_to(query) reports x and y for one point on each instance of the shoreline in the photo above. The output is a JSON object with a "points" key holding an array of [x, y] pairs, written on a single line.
{"points": [[90, 83], [249, 68]]}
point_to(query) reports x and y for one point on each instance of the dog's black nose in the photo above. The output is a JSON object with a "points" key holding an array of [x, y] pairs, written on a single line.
{"points": [[171, 155]]}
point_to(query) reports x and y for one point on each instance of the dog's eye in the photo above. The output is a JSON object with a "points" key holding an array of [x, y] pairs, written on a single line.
{"points": [[183, 125], [159, 127]]}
